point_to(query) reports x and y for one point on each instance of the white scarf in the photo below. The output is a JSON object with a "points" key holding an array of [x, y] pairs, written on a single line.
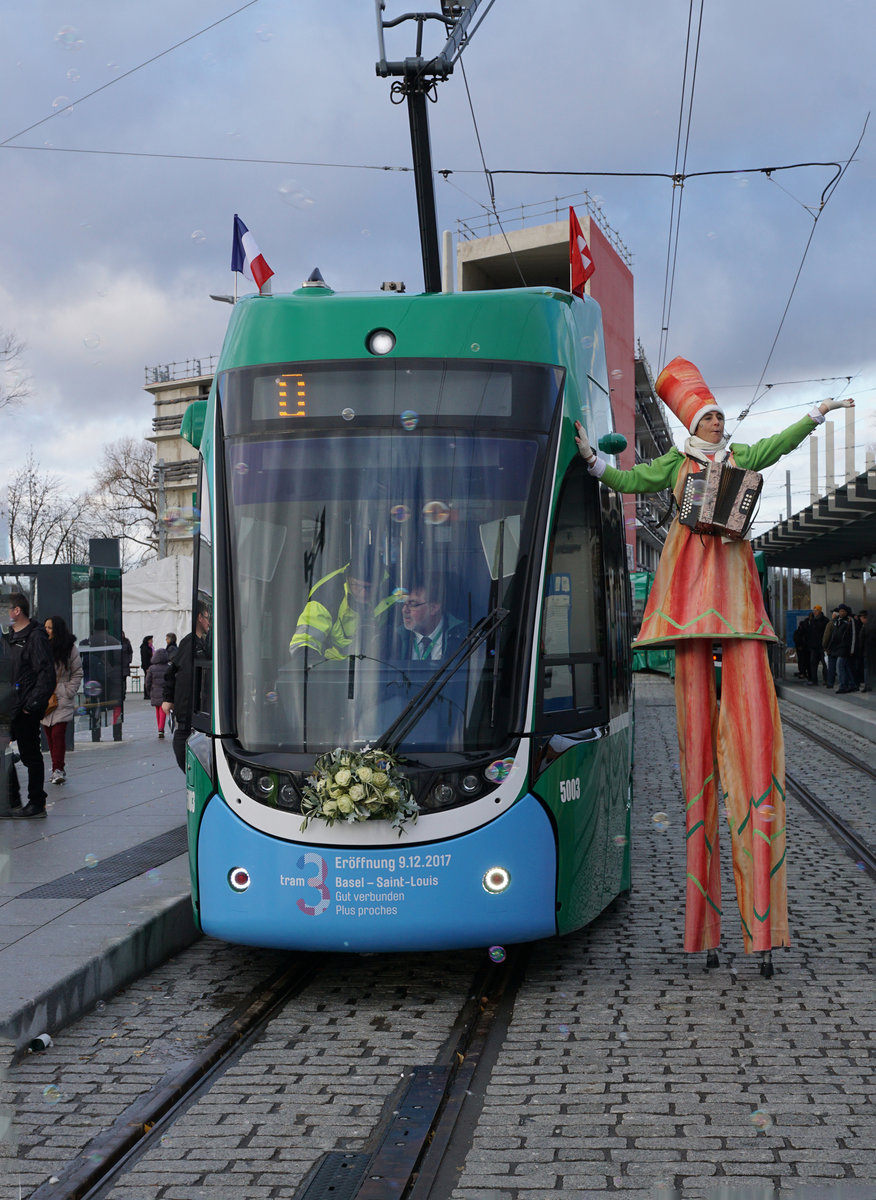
{"points": [[704, 452]]}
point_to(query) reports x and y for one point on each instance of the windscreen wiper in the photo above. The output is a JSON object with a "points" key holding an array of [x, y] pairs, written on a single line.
{"points": [[392, 737]]}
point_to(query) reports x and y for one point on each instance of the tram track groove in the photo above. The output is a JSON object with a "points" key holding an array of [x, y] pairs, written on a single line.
{"points": [[141, 1124], [840, 829], [851, 759]]}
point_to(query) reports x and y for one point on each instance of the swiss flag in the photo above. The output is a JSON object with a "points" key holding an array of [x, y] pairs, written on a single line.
{"points": [[580, 257]]}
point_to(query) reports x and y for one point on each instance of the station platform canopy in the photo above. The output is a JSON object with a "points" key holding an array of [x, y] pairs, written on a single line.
{"points": [[837, 531]]}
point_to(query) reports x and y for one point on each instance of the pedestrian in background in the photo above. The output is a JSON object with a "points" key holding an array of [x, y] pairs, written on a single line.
{"points": [[179, 685], [33, 678], [856, 661], [830, 674], [868, 642], [171, 647], [841, 648], [146, 653], [801, 645], [153, 687], [62, 705], [817, 626]]}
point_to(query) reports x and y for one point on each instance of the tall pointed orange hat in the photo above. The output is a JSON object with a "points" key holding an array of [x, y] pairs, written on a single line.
{"points": [[680, 386]]}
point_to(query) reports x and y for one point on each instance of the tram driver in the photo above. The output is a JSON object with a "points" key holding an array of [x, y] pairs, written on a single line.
{"points": [[347, 611]]}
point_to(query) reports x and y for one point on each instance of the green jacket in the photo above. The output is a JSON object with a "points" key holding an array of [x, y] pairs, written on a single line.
{"points": [[663, 472]]}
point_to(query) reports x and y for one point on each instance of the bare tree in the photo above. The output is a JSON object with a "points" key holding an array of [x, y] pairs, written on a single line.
{"points": [[45, 526], [14, 384], [125, 497]]}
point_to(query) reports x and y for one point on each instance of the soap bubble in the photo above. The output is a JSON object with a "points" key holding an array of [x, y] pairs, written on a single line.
{"points": [[400, 513], [767, 812], [91, 860], [92, 688], [241, 468], [199, 237], [51, 1093], [660, 820], [271, 697], [410, 419], [91, 341], [62, 105], [73, 75], [292, 193], [347, 414], [761, 1120], [497, 953], [435, 512], [264, 33], [620, 840], [475, 347], [68, 38], [617, 374]]}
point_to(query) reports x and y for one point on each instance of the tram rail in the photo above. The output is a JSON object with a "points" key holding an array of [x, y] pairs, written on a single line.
{"points": [[842, 830], [411, 1140], [99, 1165], [852, 759]]}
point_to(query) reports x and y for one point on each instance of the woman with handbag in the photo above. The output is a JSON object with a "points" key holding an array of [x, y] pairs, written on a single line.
{"points": [[62, 704]]}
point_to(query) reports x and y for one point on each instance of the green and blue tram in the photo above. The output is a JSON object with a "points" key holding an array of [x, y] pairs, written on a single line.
{"points": [[363, 457]]}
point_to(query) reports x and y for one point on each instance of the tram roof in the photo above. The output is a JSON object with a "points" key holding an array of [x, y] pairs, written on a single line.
{"points": [[836, 531]]}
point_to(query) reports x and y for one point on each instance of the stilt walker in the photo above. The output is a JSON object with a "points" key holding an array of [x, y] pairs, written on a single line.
{"points": [[731, 755]]}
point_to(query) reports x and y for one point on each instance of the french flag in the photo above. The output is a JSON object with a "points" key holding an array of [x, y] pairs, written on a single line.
{"points": [[246, 256]]}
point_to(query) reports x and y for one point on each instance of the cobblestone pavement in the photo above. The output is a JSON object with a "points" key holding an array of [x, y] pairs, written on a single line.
{"points": [[626, 1069], [847, 791], [629, 1070]]}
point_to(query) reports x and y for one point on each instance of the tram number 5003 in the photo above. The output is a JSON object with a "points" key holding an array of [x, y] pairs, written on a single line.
{"points": [[570, 789]]}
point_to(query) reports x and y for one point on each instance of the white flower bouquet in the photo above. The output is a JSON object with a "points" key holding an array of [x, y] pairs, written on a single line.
{"points": [[358, 786]]}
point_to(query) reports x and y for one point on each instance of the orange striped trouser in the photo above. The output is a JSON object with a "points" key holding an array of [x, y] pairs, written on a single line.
{"points": [[739, 747]]}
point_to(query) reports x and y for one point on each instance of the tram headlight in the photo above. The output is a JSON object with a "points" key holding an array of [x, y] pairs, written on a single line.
{"points": [[471, 785], [444, 794], [276, 789], [288, 796], [239, 879], [380, 341], [496, 880]]}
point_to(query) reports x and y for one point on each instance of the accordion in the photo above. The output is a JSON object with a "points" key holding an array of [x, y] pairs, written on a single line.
{"points": [[720, 500]]}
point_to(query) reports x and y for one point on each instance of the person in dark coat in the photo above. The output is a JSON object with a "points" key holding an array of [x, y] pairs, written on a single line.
{"points": [[841, 647], [801, 645], [146, 652], [817, 626], [153, 687], [856, 661], [33, 678], [179, 682], [868, 645]]}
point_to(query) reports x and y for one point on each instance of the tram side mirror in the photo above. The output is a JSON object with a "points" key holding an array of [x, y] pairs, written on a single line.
{"points": [[612, 443], [500, 541], [192, 425]]}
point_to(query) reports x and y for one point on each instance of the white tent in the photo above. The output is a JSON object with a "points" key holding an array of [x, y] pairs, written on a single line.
{"points": [[156, 600]]}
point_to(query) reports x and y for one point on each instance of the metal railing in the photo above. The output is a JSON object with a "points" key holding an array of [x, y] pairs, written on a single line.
{"points": [[189, 368]]}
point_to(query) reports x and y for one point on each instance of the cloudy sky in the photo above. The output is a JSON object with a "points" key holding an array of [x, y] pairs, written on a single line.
{"points": [[118, 205]]}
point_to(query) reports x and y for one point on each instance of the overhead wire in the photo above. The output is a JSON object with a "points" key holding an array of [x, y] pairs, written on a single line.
{"points": [[678, 182], [492, 209], [127, 74], [826, 195]]}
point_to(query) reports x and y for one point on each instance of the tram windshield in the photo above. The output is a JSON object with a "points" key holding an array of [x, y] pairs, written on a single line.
{"points": [[368, 536]]}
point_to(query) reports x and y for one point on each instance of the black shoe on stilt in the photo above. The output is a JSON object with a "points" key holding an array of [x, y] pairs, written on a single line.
{"points": [[712, 959], [766, 964]]}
